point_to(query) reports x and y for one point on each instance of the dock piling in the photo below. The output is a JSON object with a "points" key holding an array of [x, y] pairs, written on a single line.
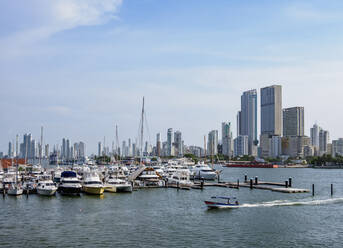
{"points": [[256, 180], [251, 182], [178, 186], [286, 184], [312, 189], [331, 189], [290, 182], [237, 183], [245, 178], [202, 183]]}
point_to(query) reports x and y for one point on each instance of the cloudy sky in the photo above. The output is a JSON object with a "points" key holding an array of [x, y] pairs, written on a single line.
{"points": [[79, 67]]}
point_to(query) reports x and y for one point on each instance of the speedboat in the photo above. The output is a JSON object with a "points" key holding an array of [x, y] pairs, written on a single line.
{"points": [[92, 184], [203, 171], [70, 184], [222, 202], [116, 185]]}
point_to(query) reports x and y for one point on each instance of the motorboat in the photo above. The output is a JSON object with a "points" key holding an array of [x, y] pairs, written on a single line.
{"points": [[92, 184], [116, 185], [15, 189], [203, 171], [46, 186], [180, 178], [70, 184], [222, 202]]}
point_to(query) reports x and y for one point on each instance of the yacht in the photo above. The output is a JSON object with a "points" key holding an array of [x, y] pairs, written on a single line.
{"points": [[116, 185], [46, 186], [15, 189], [69, 184], [180, 178], [92, 184], [203, 171]]}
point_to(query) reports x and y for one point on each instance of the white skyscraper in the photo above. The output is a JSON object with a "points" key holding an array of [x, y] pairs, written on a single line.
{"points": [[212, 143], [170, 138], [241, 144], [226, 139]]}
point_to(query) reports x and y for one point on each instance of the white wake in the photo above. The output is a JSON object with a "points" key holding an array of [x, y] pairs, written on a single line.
{"points": [[292, 203]]}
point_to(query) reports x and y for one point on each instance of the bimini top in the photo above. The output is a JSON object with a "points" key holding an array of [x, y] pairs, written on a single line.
{"points": [[222, 197], [68, 174]]}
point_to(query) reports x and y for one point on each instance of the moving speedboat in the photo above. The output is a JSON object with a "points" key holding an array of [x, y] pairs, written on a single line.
{"points": [[222, 202], [92, 184], [70, 184]]}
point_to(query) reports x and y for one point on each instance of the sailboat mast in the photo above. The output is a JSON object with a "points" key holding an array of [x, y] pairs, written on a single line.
{"points": [[142, 133]]}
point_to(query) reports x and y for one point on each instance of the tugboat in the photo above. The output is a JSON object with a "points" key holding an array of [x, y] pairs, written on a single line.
{"points": [[222, 202]]}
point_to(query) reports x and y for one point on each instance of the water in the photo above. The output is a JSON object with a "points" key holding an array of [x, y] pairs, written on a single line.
{"points": [[171, 218]]}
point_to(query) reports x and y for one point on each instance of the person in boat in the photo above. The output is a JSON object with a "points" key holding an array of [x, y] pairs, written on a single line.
{"points": [[236, 202]]}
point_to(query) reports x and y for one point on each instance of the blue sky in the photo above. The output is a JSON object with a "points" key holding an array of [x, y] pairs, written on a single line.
{"points": [[79, 67]]}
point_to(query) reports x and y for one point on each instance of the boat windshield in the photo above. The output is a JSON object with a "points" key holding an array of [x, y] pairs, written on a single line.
{"points": [[93, 182], [65, 181]]}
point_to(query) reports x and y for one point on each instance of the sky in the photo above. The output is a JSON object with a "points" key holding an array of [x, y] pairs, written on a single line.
{"points": [[80, 67]]}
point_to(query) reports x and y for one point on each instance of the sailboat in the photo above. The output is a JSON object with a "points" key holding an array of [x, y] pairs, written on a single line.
{"points": [[15, 188]]}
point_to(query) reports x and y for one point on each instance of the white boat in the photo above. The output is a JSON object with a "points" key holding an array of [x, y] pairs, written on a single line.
{"points": [[222, 202], [70, 184], [180, 178], [92, 184], [46, 186], [15, 189], [116, 185], [203, 171]]}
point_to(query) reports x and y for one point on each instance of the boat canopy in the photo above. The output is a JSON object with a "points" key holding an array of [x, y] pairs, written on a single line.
{"points": [[222, 197], [68, 174]]}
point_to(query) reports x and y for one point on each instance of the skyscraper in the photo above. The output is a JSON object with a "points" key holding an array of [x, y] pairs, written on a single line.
{"points": [[170, 138], [293, 121], [248, 119], [178, 143], [271, 117], [158, 144], [99, 149], [226, 139], [271, 110], [323, 142], [241, 144], [315, 138], [212, 143]]}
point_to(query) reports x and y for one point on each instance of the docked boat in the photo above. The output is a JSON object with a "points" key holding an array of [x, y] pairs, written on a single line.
{"points": [[180, 178], [92, 184], [116, 185], [222, 202], [70, 184], [46, 186], [15, 189], [203, 171]]}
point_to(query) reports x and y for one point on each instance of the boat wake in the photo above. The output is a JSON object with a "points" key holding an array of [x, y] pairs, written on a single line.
{"points": [[292, 203]]}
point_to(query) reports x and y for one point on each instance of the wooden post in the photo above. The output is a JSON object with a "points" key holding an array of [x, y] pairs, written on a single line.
{"points": [[286, 184], [312, 189], [245, 178], [256, 180], [218, 178], [290, 182], [331, 189], [4, 192], [238, 183], [251, 183], [178, 186]]}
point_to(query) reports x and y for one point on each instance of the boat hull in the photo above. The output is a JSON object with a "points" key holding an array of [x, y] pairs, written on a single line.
{"points": [[93, 190], [69, 190], [210, 204], [15, 191], [46, 192]]}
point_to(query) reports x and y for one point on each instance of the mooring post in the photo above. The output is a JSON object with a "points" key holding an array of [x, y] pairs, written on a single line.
{"points": [[178, 186], [251, 183], [245, 178], [218, 178], [4, 193], [286, 184], [256, 180], [238, 183], [331, 189], [290, 182], [202, 183], [312, 189]]}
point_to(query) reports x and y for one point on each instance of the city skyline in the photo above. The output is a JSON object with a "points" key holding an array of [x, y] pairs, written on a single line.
{"points": [[80, 74]]}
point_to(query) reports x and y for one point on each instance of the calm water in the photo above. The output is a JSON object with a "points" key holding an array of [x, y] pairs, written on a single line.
{"points": [[171, 218]]}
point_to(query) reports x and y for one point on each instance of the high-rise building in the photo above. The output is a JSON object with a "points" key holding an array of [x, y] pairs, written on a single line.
{"points": [[212, 143], [226, 139], [10, 151], [293, 121], [271, 110], [239, 120], [315, 138], [99, 149], [241, 144], [275, 146], [271, 118], [323, 142], [64, 149], [178, 144], [248, 119], [158, 144], [337, 147], [170, 138]]}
